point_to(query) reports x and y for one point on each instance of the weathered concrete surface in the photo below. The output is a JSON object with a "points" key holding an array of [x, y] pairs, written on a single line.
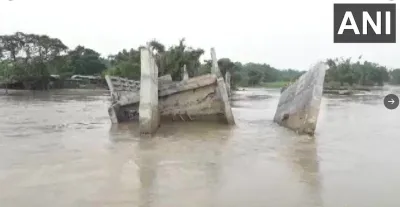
{"points": [[214, 67], [125, 96], [228, 83], [200, 98], [113, 113], [193, 99], [193, 83], [185, 75], [164, 79], [223, 94], [222, 91], [299, 104], [120, 87], [149, 115]]}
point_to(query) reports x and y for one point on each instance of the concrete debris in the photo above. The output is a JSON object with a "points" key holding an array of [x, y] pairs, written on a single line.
{"points": [[299, 104], [222, 91], [153, 99]]}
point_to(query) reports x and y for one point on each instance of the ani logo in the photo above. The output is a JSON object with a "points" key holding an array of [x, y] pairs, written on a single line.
{"points": [[364, 23]]}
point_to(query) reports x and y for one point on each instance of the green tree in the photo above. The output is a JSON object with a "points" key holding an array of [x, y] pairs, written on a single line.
{"points": [[84, 61], [30, 56], [395, 76], [125, 64], [366, 73]]}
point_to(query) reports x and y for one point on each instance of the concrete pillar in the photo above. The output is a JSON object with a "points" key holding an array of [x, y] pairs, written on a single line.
{"points": [[225, 99], [221, 89], [149, 116], [299, 104], [112, 112], [185, 75], [110, 85], [214, 68], [228, 82]]}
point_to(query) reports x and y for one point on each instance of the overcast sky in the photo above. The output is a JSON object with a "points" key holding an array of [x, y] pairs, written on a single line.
{"points": [[284, 34]]}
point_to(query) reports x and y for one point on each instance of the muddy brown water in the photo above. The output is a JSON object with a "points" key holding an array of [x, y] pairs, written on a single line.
{"points": [[59, 149]]}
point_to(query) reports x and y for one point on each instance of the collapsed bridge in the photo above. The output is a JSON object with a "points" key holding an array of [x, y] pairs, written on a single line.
{"points": [[153, 98]]}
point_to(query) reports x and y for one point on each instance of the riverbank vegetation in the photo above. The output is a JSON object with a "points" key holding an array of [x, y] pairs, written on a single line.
{"points": [[36, 57]]}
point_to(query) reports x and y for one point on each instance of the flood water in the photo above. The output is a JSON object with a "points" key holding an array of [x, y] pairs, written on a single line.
{"points": [[60, 149]]}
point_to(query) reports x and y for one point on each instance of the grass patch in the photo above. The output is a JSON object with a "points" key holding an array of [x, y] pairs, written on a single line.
{"points": [[278, 84]]}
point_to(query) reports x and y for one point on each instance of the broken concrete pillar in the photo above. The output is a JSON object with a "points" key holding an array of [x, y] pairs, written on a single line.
{"points": [[120, 90], [225, 99], [200, 98], [112, 112], [299, 104], [149, 116], [214, 67], [222, 91], [228, 82], [185, 75]]}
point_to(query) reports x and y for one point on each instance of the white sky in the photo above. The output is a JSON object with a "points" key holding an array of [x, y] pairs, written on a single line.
{"points": [[284, 34]]}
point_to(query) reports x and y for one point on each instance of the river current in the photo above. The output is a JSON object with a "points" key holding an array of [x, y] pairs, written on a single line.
{"points": [[59, 148]]}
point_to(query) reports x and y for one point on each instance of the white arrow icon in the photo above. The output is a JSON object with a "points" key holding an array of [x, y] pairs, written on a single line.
{"points": [[391, 101]]}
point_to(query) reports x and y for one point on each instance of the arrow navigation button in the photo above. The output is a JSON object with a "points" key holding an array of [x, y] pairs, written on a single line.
{"points": [[391, 101]]}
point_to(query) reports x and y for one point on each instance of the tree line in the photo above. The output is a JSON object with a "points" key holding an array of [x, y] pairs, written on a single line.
{"points": [[25, 56], [30, 56], [344, 71]]}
